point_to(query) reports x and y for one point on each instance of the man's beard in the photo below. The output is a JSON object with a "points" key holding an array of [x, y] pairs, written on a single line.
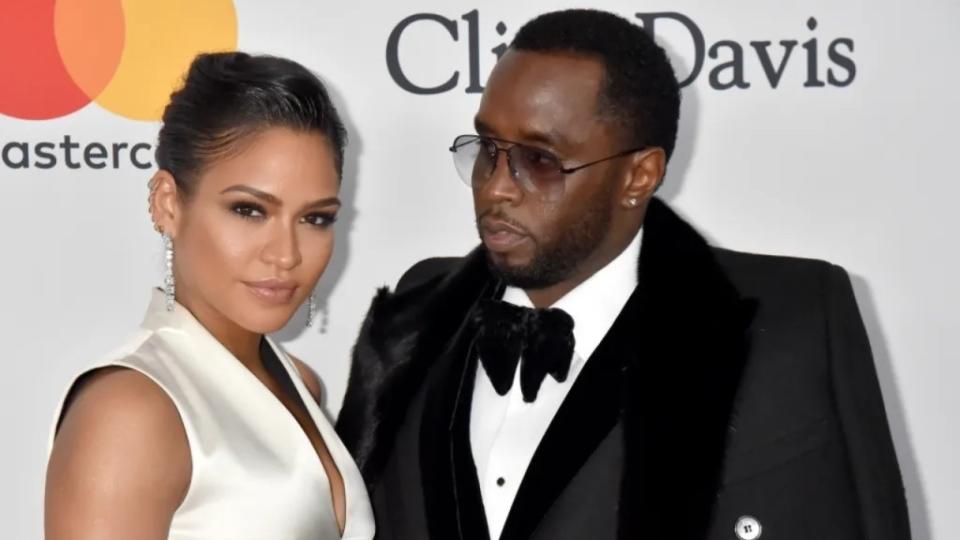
{"points": [[558, 259]]}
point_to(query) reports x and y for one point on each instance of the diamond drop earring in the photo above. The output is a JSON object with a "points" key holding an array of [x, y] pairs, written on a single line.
{"points": [[169, 286], [311, 309], [324, 319]]}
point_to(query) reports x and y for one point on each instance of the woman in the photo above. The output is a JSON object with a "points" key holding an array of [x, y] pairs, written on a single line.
{"points": [[199, 426]]}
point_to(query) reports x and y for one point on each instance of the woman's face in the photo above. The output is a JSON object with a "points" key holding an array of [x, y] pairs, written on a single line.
{"points": [[254, 237]]}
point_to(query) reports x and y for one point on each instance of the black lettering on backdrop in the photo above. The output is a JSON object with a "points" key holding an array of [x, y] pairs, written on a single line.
{"points": [[95, 151], [501, 48], [649, 19], [116, 153], [472, 18], [811, 47], [473, 37], [735, 68], [393, 54], [842, 61], [24, 162], [44, 150], [74, 155], [68, 145], [773, 74], [134, 150], [735, 64]]}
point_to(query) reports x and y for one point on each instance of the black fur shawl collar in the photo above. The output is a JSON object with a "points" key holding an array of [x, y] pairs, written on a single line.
{"points": [[679, 347]]}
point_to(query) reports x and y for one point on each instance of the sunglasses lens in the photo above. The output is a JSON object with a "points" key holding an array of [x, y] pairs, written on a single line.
{"points": [[472, 158], [538, 171]]}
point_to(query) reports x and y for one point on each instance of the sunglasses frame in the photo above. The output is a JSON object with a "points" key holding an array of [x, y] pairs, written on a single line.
{"points": [[463, 140]]}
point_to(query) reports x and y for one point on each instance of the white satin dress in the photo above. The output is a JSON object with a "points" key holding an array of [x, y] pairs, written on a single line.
{"points": [[255, 473]]}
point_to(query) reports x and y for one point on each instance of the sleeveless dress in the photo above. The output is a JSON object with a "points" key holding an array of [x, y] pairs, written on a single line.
{"points": [[255, 474]]}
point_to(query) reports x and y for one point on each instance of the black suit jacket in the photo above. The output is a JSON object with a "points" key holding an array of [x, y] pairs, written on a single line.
{"points": [[730, 386]]}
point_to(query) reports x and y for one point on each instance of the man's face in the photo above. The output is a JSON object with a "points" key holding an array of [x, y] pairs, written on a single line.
{"points": [[546, 101]]}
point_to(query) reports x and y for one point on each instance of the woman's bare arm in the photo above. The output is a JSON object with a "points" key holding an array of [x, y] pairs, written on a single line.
{"points": [[120, 464]]}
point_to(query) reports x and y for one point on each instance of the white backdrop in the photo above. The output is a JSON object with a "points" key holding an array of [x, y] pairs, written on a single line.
{"points": [[861, 172]]}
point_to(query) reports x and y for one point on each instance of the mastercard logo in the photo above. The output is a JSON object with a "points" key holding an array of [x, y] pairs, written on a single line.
{"points": [[58, 56]]}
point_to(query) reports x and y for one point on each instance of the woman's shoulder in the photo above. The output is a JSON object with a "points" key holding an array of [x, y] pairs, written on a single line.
{"points": [[127, 366], [120, 438], [117, 405], [117, 396]]}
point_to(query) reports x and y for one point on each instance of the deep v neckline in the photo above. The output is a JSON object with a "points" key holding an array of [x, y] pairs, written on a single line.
{"points": [[277, 365], [224, 386], [270, 353], [235, 370]]}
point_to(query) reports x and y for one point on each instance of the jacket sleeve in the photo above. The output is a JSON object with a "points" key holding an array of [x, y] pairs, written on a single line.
{"points": [[873, 461]]}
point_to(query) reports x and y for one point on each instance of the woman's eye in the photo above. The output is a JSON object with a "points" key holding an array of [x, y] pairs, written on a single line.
{"points": [[247, 210], [320, 220]]}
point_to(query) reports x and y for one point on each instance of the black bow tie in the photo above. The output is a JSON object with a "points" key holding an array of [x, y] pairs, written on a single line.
{"points": [[541, 340]]}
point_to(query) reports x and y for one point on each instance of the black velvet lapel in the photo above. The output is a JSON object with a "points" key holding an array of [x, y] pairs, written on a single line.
{"points": [[691, 334], [451, 489]]}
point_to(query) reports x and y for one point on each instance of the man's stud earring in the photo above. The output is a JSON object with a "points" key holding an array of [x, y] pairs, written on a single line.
{"points": [[632, 202]]}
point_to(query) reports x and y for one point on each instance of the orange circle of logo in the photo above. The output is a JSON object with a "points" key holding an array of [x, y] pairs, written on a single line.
{"points": [[127, 55]]}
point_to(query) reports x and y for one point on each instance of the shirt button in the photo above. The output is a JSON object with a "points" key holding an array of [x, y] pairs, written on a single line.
{"points": [[748, 528], [501, 481]]}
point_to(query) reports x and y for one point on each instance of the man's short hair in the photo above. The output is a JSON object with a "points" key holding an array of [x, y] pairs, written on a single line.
{"points": [[641, 91]]}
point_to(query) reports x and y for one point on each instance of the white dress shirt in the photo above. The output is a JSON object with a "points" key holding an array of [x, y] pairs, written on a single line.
{"points": [[505, 431]]}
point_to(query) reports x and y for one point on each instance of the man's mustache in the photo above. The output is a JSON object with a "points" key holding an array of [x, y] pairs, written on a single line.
{"points": [[500, 215]]}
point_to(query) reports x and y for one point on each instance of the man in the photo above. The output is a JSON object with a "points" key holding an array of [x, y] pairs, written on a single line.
{"points": [[671, 390]]}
